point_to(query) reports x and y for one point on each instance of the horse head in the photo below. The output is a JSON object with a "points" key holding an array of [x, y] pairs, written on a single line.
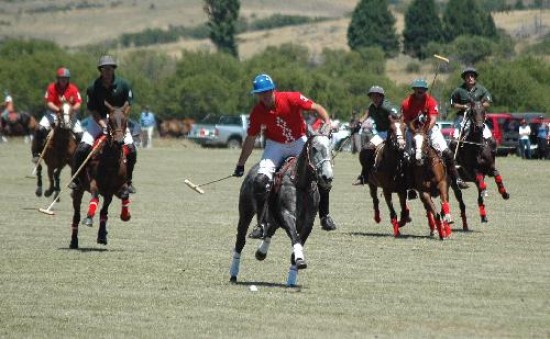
{"points": [[65, 116], [476, 115], [397, 135], [421, 147], [117, 122], [319, 155]]}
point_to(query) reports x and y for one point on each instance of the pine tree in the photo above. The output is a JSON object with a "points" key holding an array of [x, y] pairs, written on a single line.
{"points": [[373, 25], [222, 22], [422, 25], [465, 17]]}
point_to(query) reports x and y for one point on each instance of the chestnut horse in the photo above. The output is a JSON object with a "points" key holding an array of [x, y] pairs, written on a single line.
{"points": [[476, 159], [106, 176], [430, 179], [292, 203], [18, 124], [389, 174], [58, 152]]}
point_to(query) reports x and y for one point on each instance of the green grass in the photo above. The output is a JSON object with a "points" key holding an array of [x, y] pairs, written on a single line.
{"points": [[165, 273]]}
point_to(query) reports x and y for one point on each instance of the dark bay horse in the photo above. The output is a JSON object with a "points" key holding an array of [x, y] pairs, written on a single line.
{"points": [[58, 152], [430, 180], [476, 158], [292, 203], [389, 174], [106, 176], [18, 124]]}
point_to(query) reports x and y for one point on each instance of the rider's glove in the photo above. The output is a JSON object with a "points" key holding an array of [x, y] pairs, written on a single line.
{"points": [[104, 130], [239, 171]]}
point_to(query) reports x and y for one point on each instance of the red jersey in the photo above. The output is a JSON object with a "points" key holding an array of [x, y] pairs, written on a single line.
{"points": [[413, 107], [285, 122], [57, 96]]}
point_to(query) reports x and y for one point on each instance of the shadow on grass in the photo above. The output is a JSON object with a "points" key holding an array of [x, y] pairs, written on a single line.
{"points": [[87, 249], [296, 288], [388, 235]]}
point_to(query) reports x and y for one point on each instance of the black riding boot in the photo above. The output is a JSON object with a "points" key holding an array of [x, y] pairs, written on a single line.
{"points": [[449, 160], [366, 158], [78, 137], [38, 143], [82, 151], [262, 187], [326, 220], [131, 159]]}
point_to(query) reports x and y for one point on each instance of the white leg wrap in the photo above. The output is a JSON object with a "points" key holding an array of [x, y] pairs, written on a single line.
{"points": [[264, 246], [292, 279], [235, 263], [298, 251]]}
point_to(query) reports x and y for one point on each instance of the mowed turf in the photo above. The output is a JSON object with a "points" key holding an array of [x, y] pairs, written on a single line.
{"points": [[166, 272]]}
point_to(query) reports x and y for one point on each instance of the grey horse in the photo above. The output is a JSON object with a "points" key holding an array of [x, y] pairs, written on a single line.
{"points": [[292, 203]]}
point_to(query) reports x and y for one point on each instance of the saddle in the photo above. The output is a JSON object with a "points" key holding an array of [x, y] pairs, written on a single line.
{"points": [[280, 174], [378, 155]]}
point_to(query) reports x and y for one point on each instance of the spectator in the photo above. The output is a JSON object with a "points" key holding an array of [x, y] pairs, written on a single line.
{"points": [[524, 142], [542, 137], [147, 122]]}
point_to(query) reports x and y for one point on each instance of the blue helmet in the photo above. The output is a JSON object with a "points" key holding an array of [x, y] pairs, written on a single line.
{"points": [[419, 83], [262, 83]]}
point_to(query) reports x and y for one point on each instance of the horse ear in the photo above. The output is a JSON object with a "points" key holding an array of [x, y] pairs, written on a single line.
{"points": [[309, 131]]}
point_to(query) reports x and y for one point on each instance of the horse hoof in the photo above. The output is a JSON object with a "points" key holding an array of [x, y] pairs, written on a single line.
{"points": [[88, 221], [126, 217], [301, 264], [484, 219], [74, 244], [48, 193], [38, 192], [102, 239], [233, 279], [260, 255], [505, 196]]}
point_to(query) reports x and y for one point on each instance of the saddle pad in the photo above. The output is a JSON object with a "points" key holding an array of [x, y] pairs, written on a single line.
{"points": [[279, 175]]}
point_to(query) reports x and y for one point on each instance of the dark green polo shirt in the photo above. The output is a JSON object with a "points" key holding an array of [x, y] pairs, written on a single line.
{"points": [[116, 95], [381, 114], [461, 95]]}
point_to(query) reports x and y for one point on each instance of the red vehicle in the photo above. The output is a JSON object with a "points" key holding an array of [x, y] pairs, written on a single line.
{"points": [[505, 128]]}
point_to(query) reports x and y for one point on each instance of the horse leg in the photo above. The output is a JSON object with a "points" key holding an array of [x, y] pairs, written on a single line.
{"points": [[292, 278], [38, 191], [393, 214], [77, 200], [447, 219], [103, 217], [405, 216], [460, 199], [92, 207], [375, 202], [297, 257], [481, 189], [434, 221], [57, 183], [500, 185], [246, 213], [125, 208], [49, 191]]}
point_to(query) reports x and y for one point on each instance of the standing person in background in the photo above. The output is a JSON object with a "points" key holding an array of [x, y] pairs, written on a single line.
{"points": [[6, 107], [524, 142], [285, 132], [542, 139], [147, 121]]}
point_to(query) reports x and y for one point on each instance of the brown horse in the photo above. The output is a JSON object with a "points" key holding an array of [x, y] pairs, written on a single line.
{"points": [[57, 152], [18, 124], [476, 157], [106, 176], [430, 179], [389, 174], [176, 128]]}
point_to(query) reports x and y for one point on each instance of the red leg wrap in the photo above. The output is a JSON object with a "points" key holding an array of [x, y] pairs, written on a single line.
{"points": [[125, 213], [445, 208], [92, 207]]}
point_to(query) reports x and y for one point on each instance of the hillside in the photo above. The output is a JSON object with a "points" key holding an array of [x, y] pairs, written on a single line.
{"points": [[99, 22]]}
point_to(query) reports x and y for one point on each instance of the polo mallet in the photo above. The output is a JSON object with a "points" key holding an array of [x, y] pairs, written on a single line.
{"points": [[46, 144], [439, 57], [96, 147], [198, 189]]}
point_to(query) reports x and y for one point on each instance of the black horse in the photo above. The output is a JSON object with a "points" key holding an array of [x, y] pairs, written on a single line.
{"points": [[105, 175], [18, 124], [57, 152], [292, 204], [476, 157]]}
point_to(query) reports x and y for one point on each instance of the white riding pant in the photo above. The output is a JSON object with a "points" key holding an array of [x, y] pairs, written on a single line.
{"points": [[50, 117], [465, 125], [275, 153], [149, 132], [93, 130], [378, 138]]}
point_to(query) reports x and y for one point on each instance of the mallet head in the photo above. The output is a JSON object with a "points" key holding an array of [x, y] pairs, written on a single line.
{"points": [[194, 187]]}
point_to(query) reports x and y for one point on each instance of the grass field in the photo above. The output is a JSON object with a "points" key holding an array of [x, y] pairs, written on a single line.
{"points": [[165, 273]]}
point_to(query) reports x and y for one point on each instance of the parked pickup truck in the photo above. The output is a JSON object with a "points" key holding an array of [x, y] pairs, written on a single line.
{"points": [[221, 131]]}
